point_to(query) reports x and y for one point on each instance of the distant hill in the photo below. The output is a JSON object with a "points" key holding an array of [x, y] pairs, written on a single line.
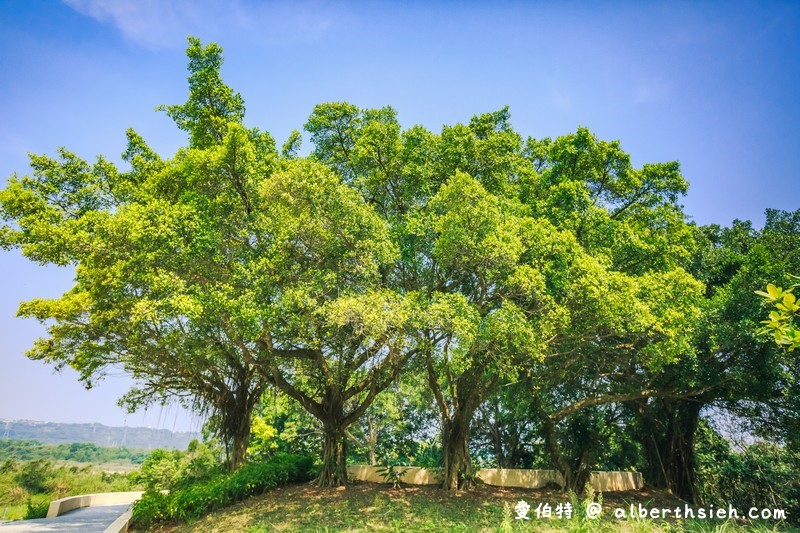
{"points": [[58, 433]]}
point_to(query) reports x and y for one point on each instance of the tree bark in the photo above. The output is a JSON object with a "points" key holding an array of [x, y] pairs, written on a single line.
{"points": [[683, 459], [668, 432], [238, 451], [575, 479], [236, 412], [553, 448], [466, 394], [497, 445], [455, 443], [372, 444], [513, 456], [334, 457], [334, 452]]}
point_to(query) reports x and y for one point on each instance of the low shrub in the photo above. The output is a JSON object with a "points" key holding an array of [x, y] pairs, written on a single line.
{"points": [[762, 475], [393, 474], [171, 469], [189, 502], [36, 476], [14, 495], [37, 507]]}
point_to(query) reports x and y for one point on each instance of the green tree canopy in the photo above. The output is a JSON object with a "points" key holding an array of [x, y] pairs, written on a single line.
{"points": [[210, 274], [525, 252], [232, 266]]}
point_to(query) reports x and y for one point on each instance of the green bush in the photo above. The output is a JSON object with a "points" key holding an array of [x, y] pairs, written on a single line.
{"points": [[37, 507], [36, 476], [190, 501], [763, 475], [8, 466], [170, 469]]}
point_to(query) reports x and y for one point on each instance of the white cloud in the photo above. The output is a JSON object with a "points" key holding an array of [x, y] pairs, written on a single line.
{"points": [[166, 23]]}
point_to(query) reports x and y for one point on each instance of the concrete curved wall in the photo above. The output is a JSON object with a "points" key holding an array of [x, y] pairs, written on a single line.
{"points": [[506, 477], [121, 524], [59, 507]]}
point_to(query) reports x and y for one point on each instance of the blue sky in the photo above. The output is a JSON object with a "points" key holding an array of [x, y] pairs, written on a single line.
{"points": [[713, 85]]}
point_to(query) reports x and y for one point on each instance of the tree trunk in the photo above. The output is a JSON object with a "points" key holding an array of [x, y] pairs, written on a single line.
{"points": [[334, 457], [668, 431], [455, 443], [553, 448], [334, 452], [495, 431], [236, 418], [575, 479], [497, 444], [583, 473], [513, 457], [372, 441], [683, 459], [373, 459], [467, 393], [238, 452]]}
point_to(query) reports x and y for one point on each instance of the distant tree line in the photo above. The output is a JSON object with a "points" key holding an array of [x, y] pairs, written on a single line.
{"points": [[100, 434], [82, 452]]}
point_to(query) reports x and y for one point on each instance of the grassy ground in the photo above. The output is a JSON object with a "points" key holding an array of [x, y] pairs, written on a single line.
{"points": [[372, 507]]}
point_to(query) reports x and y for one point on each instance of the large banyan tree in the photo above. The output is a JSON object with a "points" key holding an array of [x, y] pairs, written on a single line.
{"points": [[233, 266], [553, 261], [218, 271]]}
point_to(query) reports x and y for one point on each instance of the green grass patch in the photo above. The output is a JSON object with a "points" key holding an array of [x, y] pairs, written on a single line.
{"points": [[364, 507]]}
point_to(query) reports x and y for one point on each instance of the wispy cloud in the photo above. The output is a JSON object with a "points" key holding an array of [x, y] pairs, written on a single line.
{"points": [[166, 23]]}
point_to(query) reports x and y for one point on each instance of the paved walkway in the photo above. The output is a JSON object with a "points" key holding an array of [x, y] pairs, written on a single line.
{"points": [[85, 520]]}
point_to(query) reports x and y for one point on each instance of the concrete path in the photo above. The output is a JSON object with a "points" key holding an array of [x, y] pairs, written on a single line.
{"points": [[84, 520]]}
